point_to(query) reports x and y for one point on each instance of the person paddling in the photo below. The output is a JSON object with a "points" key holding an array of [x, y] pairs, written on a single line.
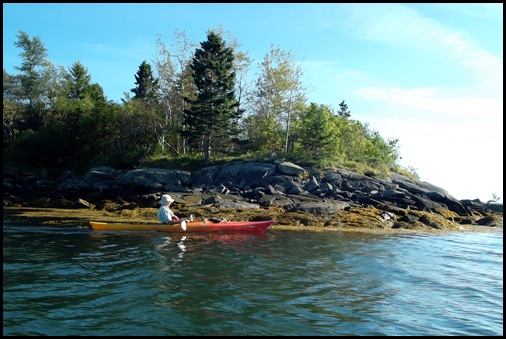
{"points": [[165, 214]]}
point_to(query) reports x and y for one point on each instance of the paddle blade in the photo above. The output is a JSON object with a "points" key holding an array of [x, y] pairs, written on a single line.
{"points": [[183, 225]]}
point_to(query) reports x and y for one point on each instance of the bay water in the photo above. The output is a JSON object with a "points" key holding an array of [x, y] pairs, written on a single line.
{"points": [[74, 281]]}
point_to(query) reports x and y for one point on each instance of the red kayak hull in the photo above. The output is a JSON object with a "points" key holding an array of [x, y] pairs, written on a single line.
{"points": [[198, 226]]}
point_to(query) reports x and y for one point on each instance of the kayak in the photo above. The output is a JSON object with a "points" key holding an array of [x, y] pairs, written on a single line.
{"points": [[202, 226]]}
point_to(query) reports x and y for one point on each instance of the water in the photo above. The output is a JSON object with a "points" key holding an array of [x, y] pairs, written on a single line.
{"points": [[80, 282]]}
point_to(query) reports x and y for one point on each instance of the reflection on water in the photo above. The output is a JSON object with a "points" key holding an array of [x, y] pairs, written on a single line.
{"points": [[80, 282], [166, 246]]}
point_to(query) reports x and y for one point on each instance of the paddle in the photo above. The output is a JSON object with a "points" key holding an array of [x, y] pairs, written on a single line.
{"points": [[183, 225]]}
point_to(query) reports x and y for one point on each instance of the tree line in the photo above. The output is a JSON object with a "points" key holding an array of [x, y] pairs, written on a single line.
{"points": [[193, 101]]}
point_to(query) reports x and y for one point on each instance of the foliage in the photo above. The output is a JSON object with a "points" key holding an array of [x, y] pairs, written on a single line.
{"points": [[343, 110], [263, 135], [186, 115], [147, 89], [212, 117], [176, 83], [34, 56], [240, 65], [318, 134], [278, 98], [79, 81], [409, 172], [495, 199]]}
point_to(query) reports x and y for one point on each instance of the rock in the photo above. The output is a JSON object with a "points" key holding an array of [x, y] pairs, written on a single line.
{"points": [[291, 169], [488, 221], [242, 185]]}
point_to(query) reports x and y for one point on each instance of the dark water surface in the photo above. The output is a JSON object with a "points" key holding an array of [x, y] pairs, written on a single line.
{"points": [[80, 282]]}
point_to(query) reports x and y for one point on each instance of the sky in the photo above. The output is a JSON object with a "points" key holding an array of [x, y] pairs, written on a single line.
{"points": [[428, 75]]}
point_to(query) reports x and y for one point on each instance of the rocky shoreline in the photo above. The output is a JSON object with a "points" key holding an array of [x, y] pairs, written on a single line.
{"points": [[79, 218], [296, 197]]}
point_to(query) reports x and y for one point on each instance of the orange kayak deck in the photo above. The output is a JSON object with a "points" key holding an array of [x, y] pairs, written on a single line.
{"points": [[201, 226]]}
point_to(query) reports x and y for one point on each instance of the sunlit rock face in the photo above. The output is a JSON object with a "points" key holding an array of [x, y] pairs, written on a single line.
{"points": [[284, 190]]}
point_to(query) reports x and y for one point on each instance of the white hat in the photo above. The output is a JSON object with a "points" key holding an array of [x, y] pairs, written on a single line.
{"points": [[166, 199]]}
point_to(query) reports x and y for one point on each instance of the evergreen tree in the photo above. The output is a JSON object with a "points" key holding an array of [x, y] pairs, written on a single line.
{"points": [[212, 117], [79, 81], [34, 57], [343, 110], [318, 133], [143, 122], [147, 88]]}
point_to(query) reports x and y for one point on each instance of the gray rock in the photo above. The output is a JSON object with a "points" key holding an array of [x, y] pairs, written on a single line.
{"points": [[291, 169], [242, 184]]}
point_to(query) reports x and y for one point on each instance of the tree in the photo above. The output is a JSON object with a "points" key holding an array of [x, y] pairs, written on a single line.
{"points": [[263, 133], [12, 108], [318, 137], [379, 152], [34, 57], [175, 84], [213, 116], [343, 110], [96, 93], [56, 81], [145, 127], [242, 62], [147, 86], [279, 92], [79, 81]]}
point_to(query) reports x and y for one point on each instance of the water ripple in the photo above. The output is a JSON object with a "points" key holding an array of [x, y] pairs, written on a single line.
{"points": [[82, 283]]}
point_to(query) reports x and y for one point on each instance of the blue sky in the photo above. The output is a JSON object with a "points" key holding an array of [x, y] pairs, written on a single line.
{"points": [[430, 75]]}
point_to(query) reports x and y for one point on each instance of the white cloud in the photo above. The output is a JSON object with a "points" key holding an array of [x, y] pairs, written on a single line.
{"points": [[403, 27], [453, 136], [433, 103], [394, 24]]}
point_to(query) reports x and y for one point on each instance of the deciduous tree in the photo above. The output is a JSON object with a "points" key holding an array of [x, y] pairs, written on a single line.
{"points": [[279, 92], [176, 83]]}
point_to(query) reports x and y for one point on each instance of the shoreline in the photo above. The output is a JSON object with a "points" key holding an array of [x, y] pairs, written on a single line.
{"points": [[79, 218]]}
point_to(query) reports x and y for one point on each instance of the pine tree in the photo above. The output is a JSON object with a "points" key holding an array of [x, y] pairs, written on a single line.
{"points": [[343, 110], [32, 85], [318, 133], [212, 117], [79, 80], [34, 56], [147, 86]]}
